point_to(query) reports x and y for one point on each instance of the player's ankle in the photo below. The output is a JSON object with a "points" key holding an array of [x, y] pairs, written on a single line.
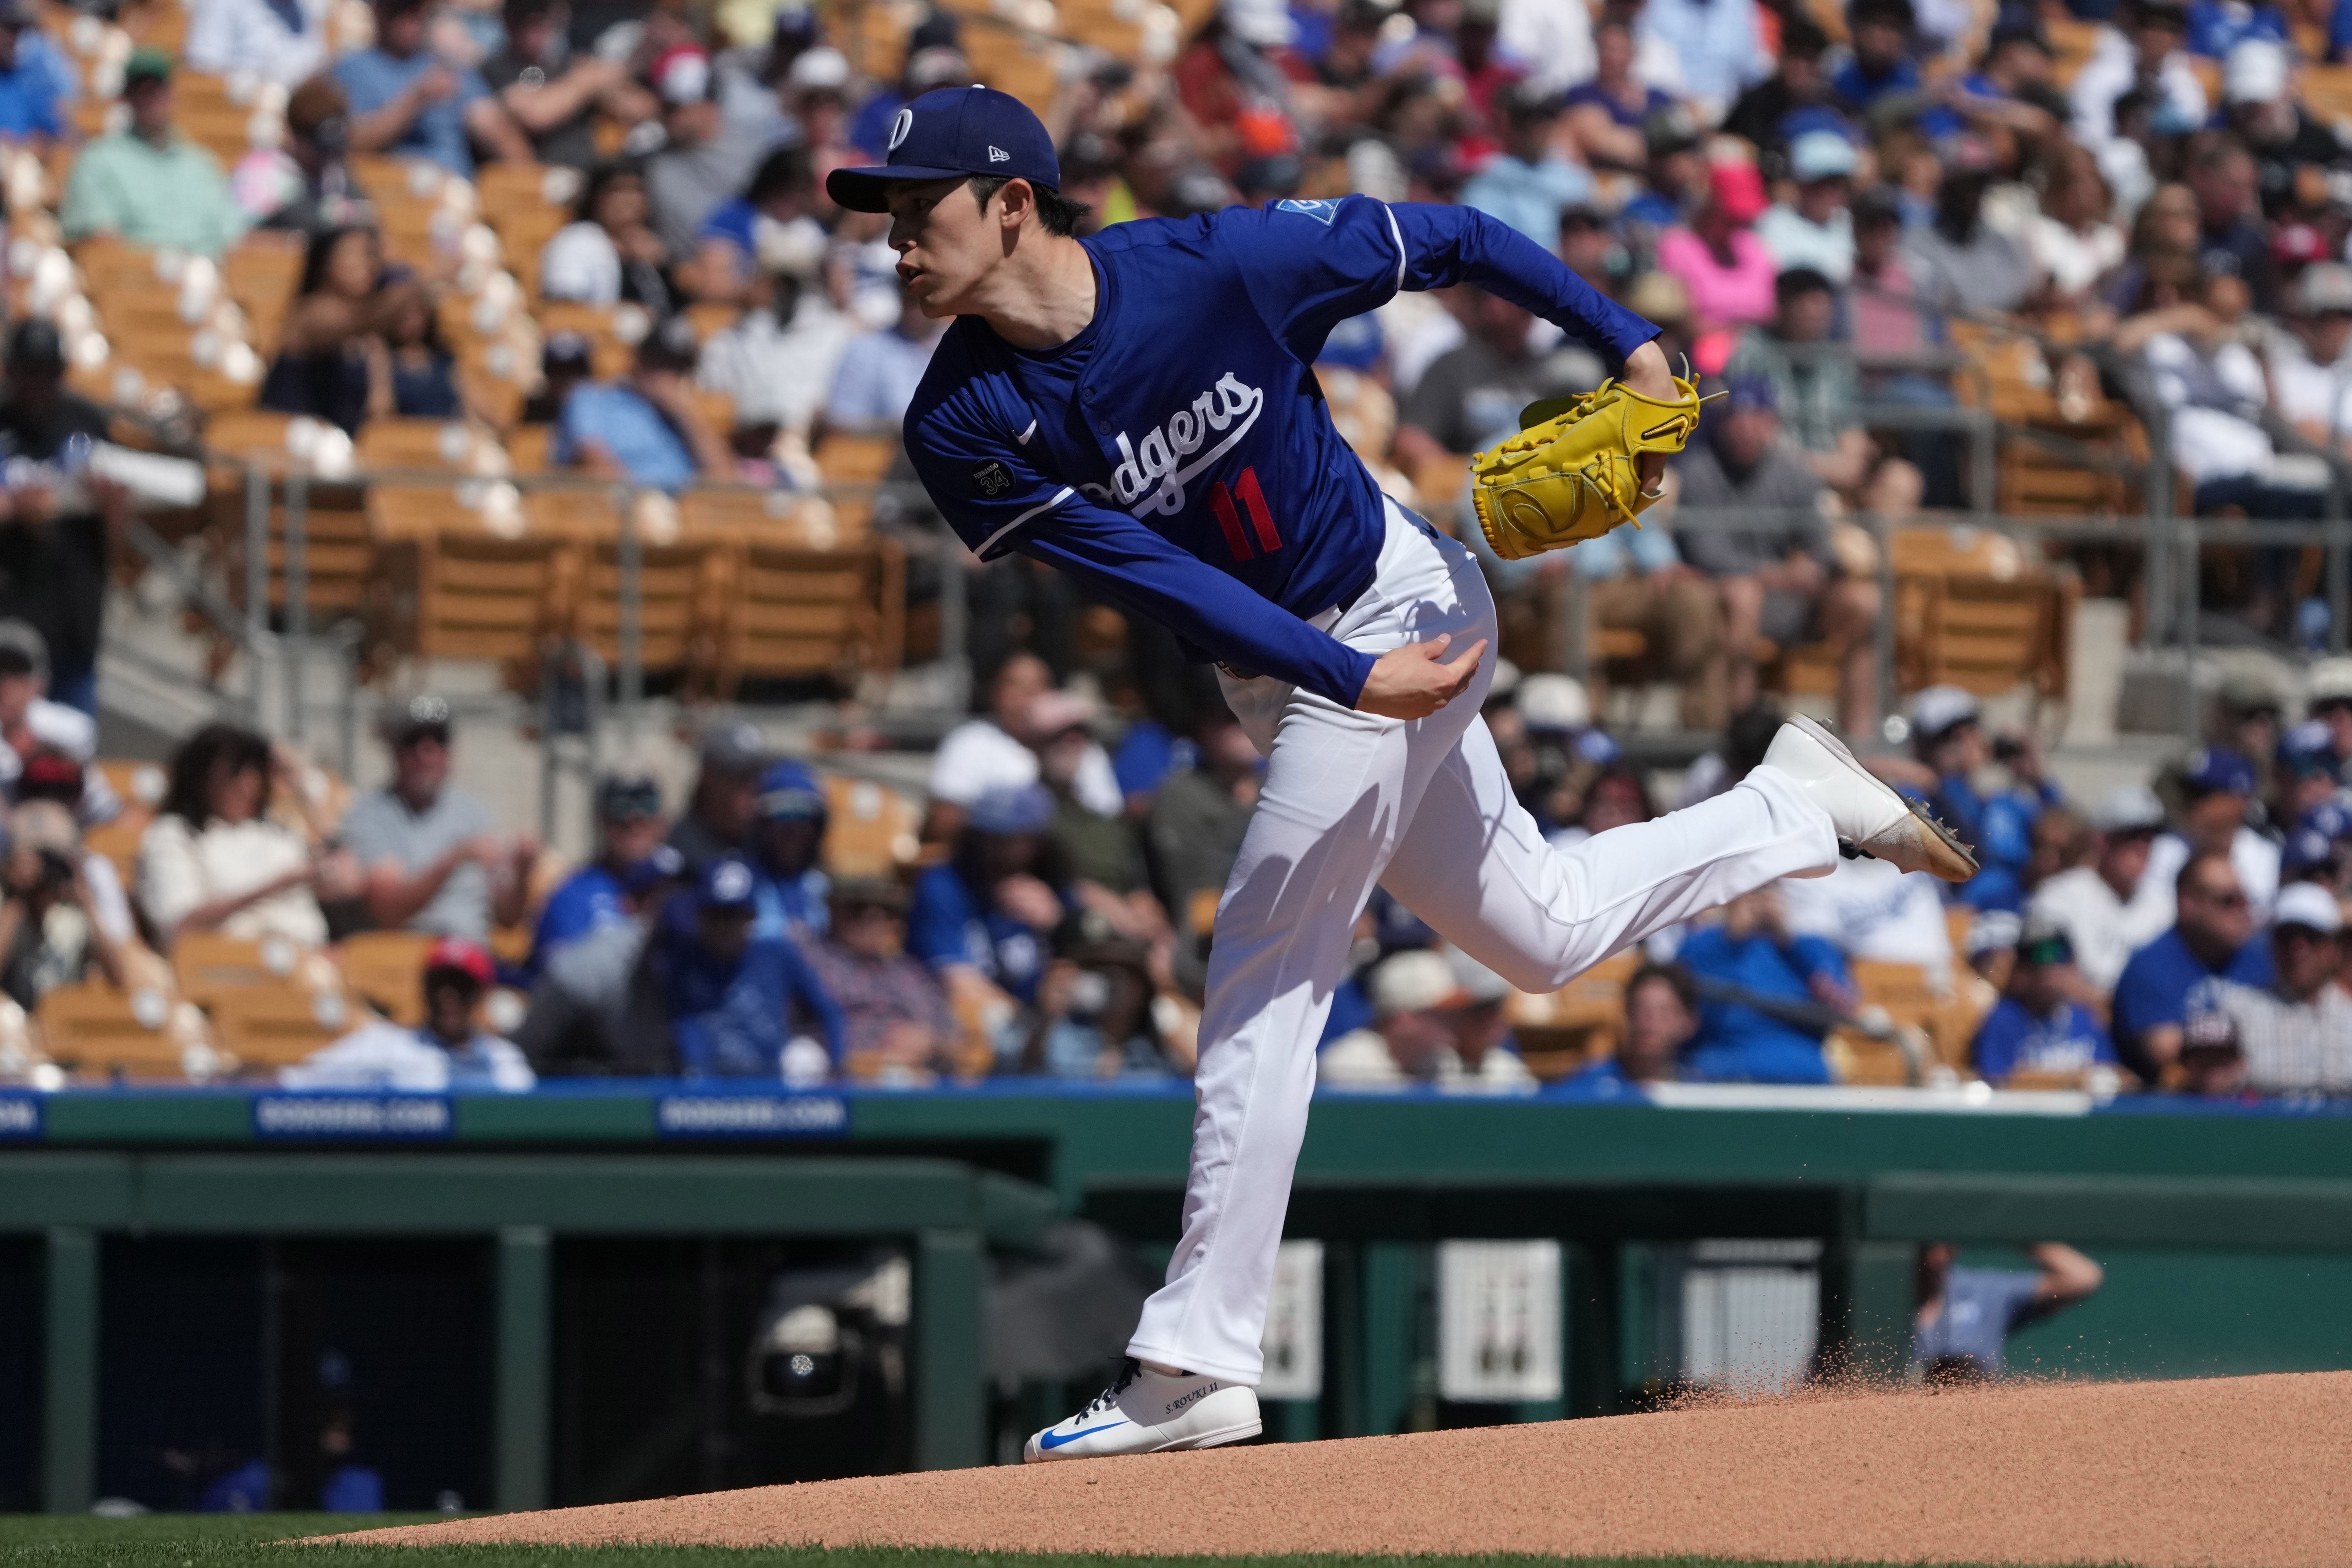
{"points": [[1161, 1368]]}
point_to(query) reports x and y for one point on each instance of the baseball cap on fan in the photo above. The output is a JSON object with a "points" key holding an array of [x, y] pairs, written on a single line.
{"points": [[955, 131]]}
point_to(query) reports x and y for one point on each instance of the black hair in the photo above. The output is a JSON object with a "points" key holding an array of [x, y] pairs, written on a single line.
{"points": [[1678, 980], [517, 12], [600, 180], [1801, 280], [1802, 37], [189, 794], [322, 250], [785, 169], [1057, 214]]}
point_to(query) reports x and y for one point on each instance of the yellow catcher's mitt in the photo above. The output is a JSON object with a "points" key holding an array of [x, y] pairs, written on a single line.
{"points": [[1571, 472]]}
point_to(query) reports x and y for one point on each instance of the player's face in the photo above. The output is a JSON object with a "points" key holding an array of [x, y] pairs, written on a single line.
{"points": [[945, 246]]}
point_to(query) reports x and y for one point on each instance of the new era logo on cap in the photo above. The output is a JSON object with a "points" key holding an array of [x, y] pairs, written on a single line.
{"points": [[954, 132]]}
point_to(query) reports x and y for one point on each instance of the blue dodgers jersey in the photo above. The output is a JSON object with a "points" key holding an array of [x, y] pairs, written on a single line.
{"points": [[1178, 450]]}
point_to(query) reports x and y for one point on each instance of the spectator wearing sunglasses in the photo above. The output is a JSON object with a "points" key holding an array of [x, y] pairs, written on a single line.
{"points": [[2213, 938], [629, 826], [2038, 1027]]}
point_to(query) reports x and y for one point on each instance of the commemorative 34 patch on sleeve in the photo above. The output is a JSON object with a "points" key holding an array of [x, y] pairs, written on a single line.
{"points": [[993, 478]]}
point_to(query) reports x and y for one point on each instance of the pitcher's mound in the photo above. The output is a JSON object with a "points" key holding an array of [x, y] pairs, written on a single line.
{"points": [[2252, 1472]]}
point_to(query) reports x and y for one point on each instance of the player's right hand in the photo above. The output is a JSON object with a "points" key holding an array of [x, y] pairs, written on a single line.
{"points": [[1411, 682]]}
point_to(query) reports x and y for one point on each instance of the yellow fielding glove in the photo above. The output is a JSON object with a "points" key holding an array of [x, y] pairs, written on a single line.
{"points": [[1572, 472]]}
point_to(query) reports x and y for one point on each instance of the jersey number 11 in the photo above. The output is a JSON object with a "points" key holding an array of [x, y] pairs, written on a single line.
{"points": [[1220, 502]]}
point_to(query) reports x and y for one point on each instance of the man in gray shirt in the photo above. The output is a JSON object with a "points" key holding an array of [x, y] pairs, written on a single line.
{"points": [[708, 158], [1778, 576], [434, 856]]}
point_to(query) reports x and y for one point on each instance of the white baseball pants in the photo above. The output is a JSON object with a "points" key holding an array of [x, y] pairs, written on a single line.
{"points": [[1424, 809]]}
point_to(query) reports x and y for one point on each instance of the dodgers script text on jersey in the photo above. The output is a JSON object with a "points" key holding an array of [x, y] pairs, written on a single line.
{"points": [[1177, 451]]}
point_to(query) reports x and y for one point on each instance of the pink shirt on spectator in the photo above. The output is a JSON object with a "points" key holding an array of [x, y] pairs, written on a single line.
{"points": [[1720, 296]]}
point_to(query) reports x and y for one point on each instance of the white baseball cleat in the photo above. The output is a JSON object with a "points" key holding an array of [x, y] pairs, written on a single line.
{"points": [[1146, 1412], [1870, 817]]}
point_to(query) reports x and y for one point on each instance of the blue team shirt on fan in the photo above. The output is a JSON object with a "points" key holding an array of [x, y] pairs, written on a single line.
{"points": [[588, 900], [2153, 990], [1177, 453], [791, 907], [950, 922], [1982, 1307], [2012, 1039]]}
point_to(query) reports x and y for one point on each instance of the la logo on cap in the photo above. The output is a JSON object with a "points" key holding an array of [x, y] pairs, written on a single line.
{"points": [[998, 156], [899, 127]]}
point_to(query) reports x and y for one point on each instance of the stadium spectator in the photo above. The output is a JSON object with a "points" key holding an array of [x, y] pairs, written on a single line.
{"points": [[1779, 577], [1472, 394], [57, 925], [777, 361], [305, 184], [608, 253], [2217, 790], [2140, 50], [770, 225], [2213, 938], [2293, 1034], [406, 101], [629, 827], [2231, 242], [1721, 261], [596, 1008], [1880, 65], [644, 427], [553, 93], [1715, 44], [1960, 1333], [2308, 375], [740, 1004], [214, 858], [2108, 908], [705, 158], [434, 856], [2072, 241], [879, 373], [1819, 395], [2303, 775], [31, 105], [147, 184], [1792, 103], [1636, 580], [1430, 1029], [1951, 747], [565, 361], [2038, 1028], [30, 724], [1605, 115], [1661, 1018], [450, 1050], [1871, 910], [1528, 184], [1097, 848], [725, 801], [1194, 827], [330, 363], [56, 552], [283, 42], [787, 832], [899, 1028], [1960, 264], [1816, 230], [986, 755], [1768, 995], [983, 920], [1092, 1015]]}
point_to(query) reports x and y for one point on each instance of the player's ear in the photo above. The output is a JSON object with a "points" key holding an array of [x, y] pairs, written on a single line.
{"points": [[1019, 199]]}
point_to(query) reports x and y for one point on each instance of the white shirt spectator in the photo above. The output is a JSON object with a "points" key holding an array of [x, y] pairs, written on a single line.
{"points": [[228, 38], [581, 262], [1714, 43], [388, 1056], [1551, 39], [179, 870], [2211, 399], [1871, 910], [877, 379], [2108, 74], [2309, 393], [776, 372], [2254, 858], [977, 757], [1361, 1059], [2073, 261], [2104, 930], [1795, 241]]}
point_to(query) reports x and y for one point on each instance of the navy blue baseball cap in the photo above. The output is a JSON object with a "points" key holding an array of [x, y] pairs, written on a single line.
{"points": [[2217, 769], [789, 792], [726, 883], [947, 134], [2307, 748], [2330, 818]]}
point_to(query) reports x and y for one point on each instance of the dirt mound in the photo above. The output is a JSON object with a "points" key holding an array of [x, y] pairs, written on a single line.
{"points": [[2253, 1472]]}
